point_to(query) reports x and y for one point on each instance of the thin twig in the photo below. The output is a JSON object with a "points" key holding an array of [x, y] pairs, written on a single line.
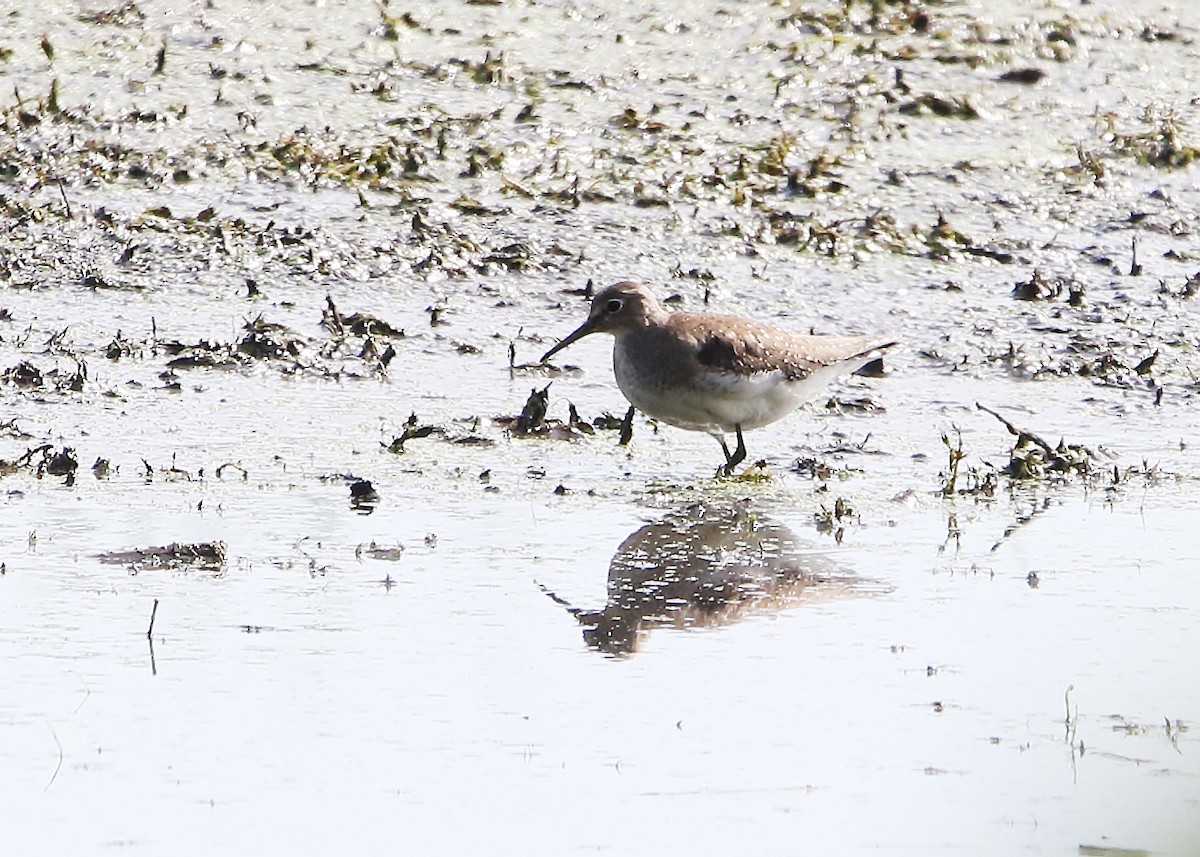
{"points": [[63, 190], [1021, 434], [87, 692], [1071, 718], [153, 613], [234, 465], [57, 767]]}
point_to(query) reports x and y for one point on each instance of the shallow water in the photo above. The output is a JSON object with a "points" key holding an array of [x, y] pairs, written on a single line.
{"points": [[561, 646]]}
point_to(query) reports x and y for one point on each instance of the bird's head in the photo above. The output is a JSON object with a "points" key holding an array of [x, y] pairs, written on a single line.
{"points": [[617, 309]]}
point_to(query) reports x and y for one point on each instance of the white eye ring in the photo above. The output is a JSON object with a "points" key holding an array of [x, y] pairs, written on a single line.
{"points": [[614, 305]]}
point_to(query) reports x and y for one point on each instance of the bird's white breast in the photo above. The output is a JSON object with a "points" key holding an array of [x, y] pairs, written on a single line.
{"points": [[710, 400]]}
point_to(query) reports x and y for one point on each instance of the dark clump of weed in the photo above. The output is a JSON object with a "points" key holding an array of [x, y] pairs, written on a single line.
{"points": [[1030, 459], [1033, 458], [534, 421], [177, 556], [413, 430]]}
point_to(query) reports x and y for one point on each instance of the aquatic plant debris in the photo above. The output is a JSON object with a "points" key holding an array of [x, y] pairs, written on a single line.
{"points": [[177, 556], [1034, 458]]}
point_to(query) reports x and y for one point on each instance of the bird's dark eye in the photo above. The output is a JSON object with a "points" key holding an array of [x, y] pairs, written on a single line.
{"points": [[613, 306]]}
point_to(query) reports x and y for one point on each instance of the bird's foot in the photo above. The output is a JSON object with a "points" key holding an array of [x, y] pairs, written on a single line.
{"points": [[756, 472]]}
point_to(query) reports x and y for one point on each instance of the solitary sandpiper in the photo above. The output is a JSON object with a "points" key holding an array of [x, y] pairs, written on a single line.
{"points": [[715, 373]]}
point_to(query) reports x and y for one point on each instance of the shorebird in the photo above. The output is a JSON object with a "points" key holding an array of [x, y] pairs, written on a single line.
{"points": [[714, 373]]}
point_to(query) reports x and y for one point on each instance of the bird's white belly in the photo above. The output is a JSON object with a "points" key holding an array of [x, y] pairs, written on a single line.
{"points": [[712, 401]]}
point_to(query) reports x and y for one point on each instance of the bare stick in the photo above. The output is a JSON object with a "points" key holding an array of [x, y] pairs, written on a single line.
{"points": [[245, 473], [63, 190], [1021, 434], [1072, 717], [87, 692], [153, 613], [57, 767]]}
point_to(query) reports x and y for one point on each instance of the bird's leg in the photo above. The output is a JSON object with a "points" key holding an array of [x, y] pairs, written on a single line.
{"points": [[725, 469], [627, 427], [738, 456]]}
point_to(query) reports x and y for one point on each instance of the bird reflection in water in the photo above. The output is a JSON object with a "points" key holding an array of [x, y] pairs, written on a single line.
{"points": [[706, 566]]}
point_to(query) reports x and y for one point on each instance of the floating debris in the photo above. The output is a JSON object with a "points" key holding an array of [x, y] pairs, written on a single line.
{"points": [[177, 556], [1039, 288], [413, 430], [52, 462], [1034, 458], [533, 421], [1027, 76], [946, 107], [379, 552], [533, 415], [25, 375], [363, 496], [60, 463]]}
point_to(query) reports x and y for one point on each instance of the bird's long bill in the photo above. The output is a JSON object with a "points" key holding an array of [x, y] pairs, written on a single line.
{"points": [[579, 333]]}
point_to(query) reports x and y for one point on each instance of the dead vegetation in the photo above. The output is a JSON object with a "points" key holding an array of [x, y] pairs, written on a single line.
{"points": [[1032, 460], [465, 167], [177, 556]]}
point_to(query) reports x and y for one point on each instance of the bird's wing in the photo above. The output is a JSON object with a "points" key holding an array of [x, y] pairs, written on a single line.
{"points": [[744, 347]]}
